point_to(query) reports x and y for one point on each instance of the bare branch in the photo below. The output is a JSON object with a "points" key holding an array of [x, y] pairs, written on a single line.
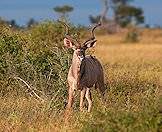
{"points": [[29, 87], [49, 76], [105, 10]]}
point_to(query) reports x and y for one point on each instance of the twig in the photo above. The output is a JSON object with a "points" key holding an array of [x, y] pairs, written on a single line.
{"points": [[49, 76], [29, 87]]}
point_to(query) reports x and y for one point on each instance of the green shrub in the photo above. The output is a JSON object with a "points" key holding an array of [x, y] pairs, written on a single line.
{"points": [[38, 57], [132, 37]]}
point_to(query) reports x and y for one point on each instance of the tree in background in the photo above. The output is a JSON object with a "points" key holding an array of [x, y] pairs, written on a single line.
{"points": [[31, 22], [103, 16], [123, 13], [63, 11], [126, 14], [11, 23]]}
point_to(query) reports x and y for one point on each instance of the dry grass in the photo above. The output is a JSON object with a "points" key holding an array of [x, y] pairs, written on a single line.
{"points": [[146, 36], [122, 52], [140, 56]]}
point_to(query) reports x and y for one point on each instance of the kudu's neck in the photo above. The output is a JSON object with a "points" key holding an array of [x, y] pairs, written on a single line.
{"points": [[75, 65]]}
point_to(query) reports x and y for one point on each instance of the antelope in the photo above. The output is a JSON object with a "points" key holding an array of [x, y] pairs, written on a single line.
{"points": [[85, 70]]}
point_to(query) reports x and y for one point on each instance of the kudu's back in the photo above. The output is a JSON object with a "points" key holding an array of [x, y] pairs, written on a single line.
{"points": [[91, 73]]}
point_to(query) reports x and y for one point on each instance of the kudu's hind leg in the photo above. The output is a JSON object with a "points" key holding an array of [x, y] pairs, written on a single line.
{"points": [[82, 95], [89, 99]]}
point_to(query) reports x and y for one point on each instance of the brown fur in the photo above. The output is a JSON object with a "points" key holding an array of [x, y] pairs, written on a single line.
{"points": [[91, 73]]}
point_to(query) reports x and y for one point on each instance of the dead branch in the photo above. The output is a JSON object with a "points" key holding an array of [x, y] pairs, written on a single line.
{"points": [[30, 88]]}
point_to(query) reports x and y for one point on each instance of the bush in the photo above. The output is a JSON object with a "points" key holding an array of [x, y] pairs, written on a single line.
{"points": [[132, 37], [35, 59]]}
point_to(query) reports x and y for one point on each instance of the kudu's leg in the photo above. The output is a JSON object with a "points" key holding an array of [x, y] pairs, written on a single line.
{"points": [[70, 97], [82, 94], [89, 99]]}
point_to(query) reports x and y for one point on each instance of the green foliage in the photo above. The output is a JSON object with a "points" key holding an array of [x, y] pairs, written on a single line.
{"points": [[31, 23], [126, 14], [122, 121], [132, 36], [9, 23], [36, 56], [121, 2], [63, 11], [96, 19]]}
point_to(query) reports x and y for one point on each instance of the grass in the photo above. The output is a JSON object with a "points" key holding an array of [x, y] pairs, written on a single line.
{"points": [[133, 76]]}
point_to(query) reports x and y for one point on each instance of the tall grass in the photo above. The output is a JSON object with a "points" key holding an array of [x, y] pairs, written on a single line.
{"points": [[132, 77]]}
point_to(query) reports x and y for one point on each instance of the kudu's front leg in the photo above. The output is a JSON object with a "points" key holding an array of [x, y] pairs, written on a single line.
{"points": [[71, 93], [82, 95], [89, 99]]}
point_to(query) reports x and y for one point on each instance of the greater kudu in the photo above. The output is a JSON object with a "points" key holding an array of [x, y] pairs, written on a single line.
{"points": [[85, 71]]}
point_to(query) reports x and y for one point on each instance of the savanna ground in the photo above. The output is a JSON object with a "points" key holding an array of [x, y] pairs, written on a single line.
{"points": [[133, 77]]}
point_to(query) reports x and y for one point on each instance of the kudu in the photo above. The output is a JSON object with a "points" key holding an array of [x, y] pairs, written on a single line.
{"points": [[85, 71]]}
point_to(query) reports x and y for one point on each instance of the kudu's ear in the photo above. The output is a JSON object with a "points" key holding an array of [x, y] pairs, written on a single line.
{"points": [[90, 44], [68, 43]]}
